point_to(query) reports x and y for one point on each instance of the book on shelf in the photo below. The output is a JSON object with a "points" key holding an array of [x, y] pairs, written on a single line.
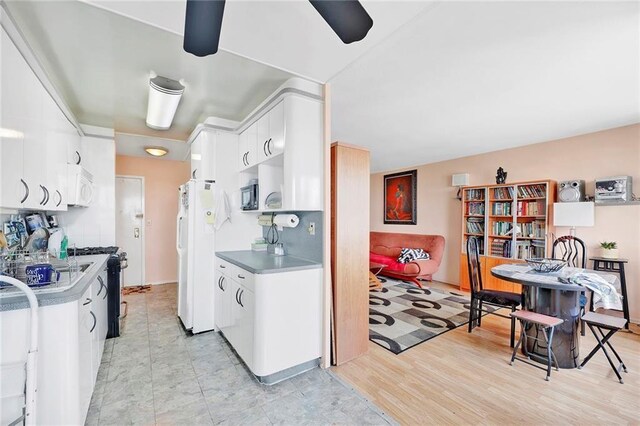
{"points": [[531, 208], [474, 208], [474, 194], [501, 228], [501, 208], [503, 193], [534, 229], [475, 225], [532, 191], [501, 248], [529, 249]]}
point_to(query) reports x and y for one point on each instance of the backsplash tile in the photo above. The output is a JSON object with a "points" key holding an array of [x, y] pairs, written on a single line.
{"points": [[297, 241]]}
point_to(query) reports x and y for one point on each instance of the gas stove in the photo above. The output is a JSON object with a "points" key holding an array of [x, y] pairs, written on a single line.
{"points": [[112, 251]]}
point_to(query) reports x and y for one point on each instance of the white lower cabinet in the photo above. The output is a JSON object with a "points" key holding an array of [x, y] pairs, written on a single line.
{"points": [[273, 321], [70, 345]]}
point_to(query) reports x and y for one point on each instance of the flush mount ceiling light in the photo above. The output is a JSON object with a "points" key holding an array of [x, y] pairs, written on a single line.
{"points": [[164, 96], [156, 151], [203, 22]]}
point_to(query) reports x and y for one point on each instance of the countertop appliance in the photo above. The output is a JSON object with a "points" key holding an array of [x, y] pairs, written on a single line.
{"points": [[115, 265], [249, 197], [195, 246], [80, 186]]}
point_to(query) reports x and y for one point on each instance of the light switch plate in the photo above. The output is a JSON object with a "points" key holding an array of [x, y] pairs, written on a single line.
{"points": [[312, 228]]}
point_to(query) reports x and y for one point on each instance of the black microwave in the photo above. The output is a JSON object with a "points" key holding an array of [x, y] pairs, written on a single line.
{"points": [[249, 197]]}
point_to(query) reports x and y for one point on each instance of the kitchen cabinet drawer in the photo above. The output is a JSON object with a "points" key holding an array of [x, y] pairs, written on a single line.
{"points": [[225, 267], [244, 278]]}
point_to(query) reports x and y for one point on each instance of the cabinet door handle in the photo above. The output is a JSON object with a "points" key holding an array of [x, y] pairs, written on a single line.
{"points": [[219, 286], [87, 301], [59, 198], [44, 195], [246, 162], [101, 285], [237, 301], [193, 174], [222, 267], [106, 292], [79, 157], [241, 277], [26, 192], [240, 298], [47, 192], [264, 148], [222, 284], [269, 146], [95, 321]]}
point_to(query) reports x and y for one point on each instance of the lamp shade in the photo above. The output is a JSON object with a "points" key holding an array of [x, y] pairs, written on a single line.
{"points": [[574, 214]]}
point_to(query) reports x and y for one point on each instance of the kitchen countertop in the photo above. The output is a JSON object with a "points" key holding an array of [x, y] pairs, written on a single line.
{"points": [[260, 262], [19, 301]]}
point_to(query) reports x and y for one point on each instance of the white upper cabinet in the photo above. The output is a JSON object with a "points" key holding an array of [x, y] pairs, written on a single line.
{"points": [[33, 151], [303, 154], [247, 147], [289, 148], [203, 156], [275, 143], [13, 117], [271, 133]]}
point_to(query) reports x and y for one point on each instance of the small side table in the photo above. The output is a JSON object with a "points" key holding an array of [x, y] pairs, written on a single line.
{"points": [[617, 266]]}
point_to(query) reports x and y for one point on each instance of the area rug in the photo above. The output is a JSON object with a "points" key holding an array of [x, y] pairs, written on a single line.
{"points": [[136, 289], [402, 315]]}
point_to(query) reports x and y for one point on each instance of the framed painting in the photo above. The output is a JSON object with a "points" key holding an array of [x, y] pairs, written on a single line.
{"points": [[400, 198]]}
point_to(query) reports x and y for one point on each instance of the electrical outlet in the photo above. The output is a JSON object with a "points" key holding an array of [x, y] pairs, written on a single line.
{"points": [[312, 228]]}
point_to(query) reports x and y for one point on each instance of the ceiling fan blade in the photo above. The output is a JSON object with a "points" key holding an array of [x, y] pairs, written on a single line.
{"points": [[347, 18], [202, 25]]}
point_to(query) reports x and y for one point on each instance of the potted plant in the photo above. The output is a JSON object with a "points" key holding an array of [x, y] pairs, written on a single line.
{"points": [[609, 249]]}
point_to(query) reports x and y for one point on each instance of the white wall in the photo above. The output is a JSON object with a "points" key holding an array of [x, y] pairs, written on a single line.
{"points": [[95, 225]]}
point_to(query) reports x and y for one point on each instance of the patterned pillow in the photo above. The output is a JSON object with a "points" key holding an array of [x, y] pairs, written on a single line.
{"points": [[410, 254]]}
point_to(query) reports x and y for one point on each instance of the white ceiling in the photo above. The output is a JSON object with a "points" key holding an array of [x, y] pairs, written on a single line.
{"points": [[100, 62], [133, 145], [466, 78], [289, 35], [430, 82]]}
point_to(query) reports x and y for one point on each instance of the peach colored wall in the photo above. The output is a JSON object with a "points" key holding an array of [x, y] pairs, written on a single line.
{"points": [[607, 153], [161, 180]]}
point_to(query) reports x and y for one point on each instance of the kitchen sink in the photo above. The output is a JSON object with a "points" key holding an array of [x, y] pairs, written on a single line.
{"points": [[69, 276]]}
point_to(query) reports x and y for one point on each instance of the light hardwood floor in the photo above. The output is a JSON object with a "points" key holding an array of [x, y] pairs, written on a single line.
{"points": [[462, 378]]}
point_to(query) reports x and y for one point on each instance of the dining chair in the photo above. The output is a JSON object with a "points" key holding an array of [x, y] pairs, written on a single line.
{"points": [[573, 251], [480, 296]]}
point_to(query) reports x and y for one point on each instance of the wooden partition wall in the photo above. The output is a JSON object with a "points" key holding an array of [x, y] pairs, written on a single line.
{"points": [[350, 181]]}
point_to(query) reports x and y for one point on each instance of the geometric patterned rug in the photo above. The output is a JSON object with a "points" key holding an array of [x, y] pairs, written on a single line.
{"points": [[401, 315]]}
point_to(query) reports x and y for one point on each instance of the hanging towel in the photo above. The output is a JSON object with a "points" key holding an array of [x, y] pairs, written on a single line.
{"points": [[222, 210], [605, 294]]}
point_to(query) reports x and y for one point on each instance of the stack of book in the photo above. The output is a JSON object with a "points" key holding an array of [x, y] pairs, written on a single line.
{"points": [[501, 248], [501, 209], [475, 225], [531, 208], [504, 193], [474, 194], [475, 208], [501, 228], [532, 191]]}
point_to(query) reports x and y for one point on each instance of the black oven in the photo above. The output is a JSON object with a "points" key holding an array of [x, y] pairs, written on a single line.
{"points": [[249, 197]]}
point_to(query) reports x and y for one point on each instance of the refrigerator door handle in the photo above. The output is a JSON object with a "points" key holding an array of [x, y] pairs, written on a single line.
{"points": [[179, 236]]}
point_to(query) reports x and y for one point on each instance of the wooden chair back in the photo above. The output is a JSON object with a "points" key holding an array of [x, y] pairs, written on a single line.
{"points": [[473, 263], [570, 249]]}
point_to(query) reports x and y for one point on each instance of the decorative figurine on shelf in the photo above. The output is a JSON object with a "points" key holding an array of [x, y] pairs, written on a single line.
{"points": [[501, 175]]}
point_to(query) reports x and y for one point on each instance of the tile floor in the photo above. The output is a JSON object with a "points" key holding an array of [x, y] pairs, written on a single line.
{"points": [[154, 373]]}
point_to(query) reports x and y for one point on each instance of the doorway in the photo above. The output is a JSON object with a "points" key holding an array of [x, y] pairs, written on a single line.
{"points": [[130, 226]]}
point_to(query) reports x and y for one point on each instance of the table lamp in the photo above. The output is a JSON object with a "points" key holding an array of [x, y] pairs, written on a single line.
{"points": [[573, 215]]}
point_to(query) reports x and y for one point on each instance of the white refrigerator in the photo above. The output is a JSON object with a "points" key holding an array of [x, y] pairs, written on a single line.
{"points": [[195, 243]]}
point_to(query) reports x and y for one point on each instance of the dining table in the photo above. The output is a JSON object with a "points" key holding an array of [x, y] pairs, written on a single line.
{"points": [[552, 294]]}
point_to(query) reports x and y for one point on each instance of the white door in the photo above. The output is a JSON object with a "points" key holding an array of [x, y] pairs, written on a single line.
{"points": [[130, 226]]}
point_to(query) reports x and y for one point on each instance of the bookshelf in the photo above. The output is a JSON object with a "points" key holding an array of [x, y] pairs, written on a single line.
{"points": [[513, 223]]}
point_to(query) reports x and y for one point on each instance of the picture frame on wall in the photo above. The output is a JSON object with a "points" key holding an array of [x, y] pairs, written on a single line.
{"points": [[400, 191]]}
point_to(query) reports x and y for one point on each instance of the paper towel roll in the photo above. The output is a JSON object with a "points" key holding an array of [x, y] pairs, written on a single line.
{"points": [[286, 220]]}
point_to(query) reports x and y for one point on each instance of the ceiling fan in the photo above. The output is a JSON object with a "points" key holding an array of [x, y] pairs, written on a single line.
{"points": [[203, 22]]}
